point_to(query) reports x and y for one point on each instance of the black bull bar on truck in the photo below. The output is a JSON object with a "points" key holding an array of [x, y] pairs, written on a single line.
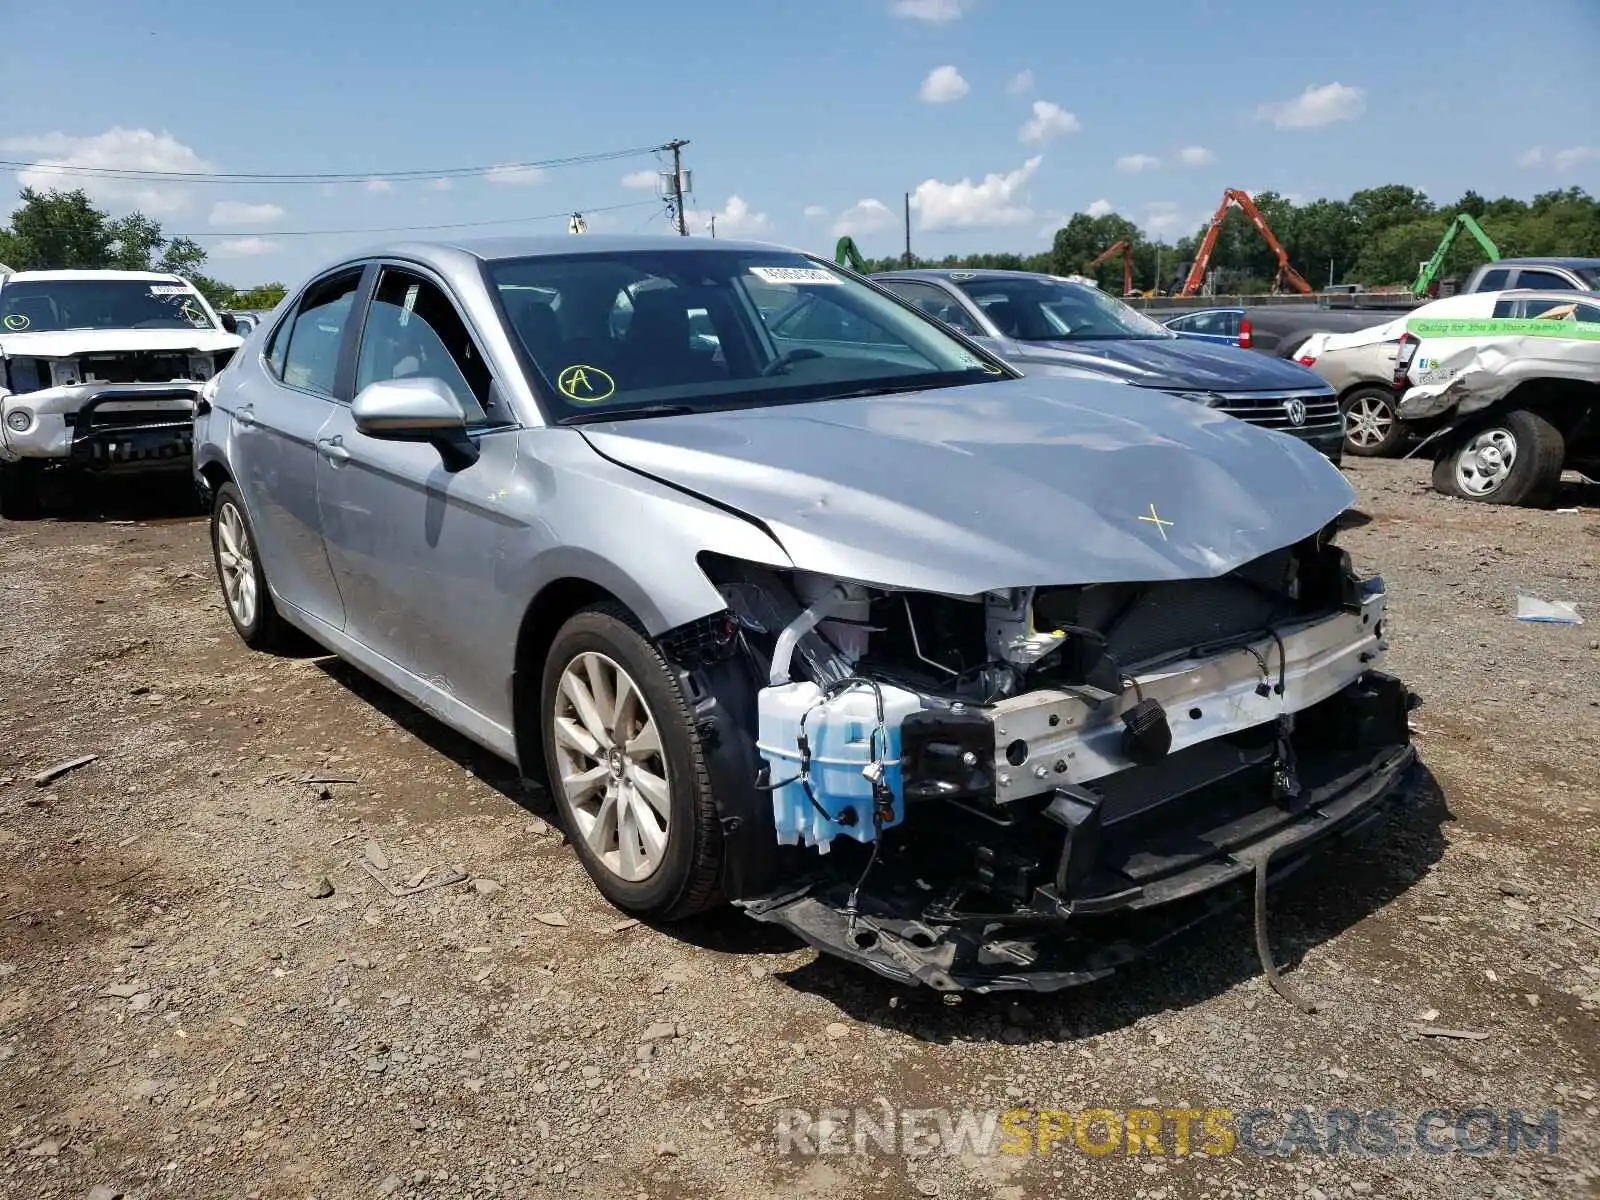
{"points": [[103, 438]]}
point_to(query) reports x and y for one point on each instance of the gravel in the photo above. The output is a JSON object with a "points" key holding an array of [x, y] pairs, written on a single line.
{"points": [[203, 992]]}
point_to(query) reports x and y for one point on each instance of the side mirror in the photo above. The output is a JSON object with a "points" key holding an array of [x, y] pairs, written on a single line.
{"points": [[229, 322], [416, 410]]}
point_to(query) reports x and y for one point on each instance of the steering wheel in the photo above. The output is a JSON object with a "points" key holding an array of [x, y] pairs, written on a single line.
{"points": [[789, 356]]}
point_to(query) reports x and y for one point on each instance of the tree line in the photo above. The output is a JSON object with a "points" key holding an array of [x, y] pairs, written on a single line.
{"points": [[1377, 238], [59, 231]]}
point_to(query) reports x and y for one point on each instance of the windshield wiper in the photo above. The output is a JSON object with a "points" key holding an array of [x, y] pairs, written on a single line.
{"points": [[625, 414]]}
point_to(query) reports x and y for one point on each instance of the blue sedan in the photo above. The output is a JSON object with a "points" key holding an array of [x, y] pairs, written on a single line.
{"points": [[1226, 326]]}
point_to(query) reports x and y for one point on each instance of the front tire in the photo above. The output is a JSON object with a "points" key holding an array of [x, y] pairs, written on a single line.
{"points": [[244, 582], [19, 489], [626, 768], [1372, 427], [1512, 459]]}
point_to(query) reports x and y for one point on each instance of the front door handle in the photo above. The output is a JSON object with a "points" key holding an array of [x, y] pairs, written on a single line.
{"points": [[333, 449], [245, 414]]}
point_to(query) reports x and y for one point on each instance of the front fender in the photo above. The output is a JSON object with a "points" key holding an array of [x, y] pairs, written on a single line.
{"points": [[639, 539]]}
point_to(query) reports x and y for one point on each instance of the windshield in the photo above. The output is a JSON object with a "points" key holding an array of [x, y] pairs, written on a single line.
{"points": [[648, 331], [1031, 309], [49, 305]]}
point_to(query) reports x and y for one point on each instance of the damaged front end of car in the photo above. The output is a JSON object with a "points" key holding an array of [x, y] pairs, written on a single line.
{"points": [[1027, 788]]}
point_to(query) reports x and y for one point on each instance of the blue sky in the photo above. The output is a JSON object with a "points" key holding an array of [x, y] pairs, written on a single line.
{"points": [[806, 117]]}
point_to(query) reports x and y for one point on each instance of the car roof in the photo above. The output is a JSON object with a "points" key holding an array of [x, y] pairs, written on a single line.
{"points": [[967, 273], [500, 248], [58, 276], [1538, 294], [1545, 262]]}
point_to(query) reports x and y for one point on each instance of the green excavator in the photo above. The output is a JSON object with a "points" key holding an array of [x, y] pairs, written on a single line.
{"points": [[846, 255], [1427, 282]]}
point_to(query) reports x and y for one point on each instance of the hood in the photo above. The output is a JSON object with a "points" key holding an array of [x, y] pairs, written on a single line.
{"points": [[67, 342], [1029, 482], [1179, 364]]}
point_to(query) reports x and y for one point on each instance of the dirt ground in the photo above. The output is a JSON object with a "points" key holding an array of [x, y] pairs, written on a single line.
{"points": [[203, 992]]}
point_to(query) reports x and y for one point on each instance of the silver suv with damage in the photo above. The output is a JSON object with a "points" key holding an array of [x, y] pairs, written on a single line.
{"points": [[979, 680], [99, 370]]}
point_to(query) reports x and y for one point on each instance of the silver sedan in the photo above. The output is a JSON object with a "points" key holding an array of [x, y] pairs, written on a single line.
{"points": [[795, 597]]}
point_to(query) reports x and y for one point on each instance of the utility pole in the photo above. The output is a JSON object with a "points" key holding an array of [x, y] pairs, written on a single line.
{"points": [[910, 262], [676, 146], [713, 224]]}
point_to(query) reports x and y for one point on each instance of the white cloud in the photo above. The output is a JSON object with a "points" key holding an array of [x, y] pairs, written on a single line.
{"points": [[515, 176], [943, 85], [641, 179], [1162, 217], [1531, 158], [1565, 160], [1196, 156], [238, 212], [864, 216], [1048, 121], [1100, 208], [1021, 83], [1315, 106], [935, 12], [440, 184], [815, 212], [117, 148], [998, 200], [734, 219], [379, 185], [244, 247], [1134, 163]]}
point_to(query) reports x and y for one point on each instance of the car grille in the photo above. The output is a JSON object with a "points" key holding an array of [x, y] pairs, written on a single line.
{"points": [[1271, 410]]}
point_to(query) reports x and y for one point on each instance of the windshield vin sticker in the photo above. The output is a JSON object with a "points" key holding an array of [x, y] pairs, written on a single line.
{"points": [[794, 275], [168, 289], [585, 384]]}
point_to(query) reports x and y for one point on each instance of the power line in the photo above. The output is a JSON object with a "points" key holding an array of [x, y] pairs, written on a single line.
{"points": [[564, 215], [313, 177]]}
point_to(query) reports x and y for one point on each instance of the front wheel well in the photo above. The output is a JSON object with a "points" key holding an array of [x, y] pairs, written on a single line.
{"points": [[1565, 403], [546, 614], [215, 475]]}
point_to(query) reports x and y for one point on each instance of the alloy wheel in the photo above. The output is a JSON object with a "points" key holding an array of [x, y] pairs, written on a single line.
{"points": [[1368, 421], [236, 558], [611, 766]]}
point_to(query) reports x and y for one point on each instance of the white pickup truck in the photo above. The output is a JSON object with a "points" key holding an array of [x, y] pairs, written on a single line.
{"points": [[1514, 395], [100, 370]]}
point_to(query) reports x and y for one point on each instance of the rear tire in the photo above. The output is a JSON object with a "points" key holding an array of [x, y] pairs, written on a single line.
{"points": [[629, 776], [1514, 458], [1372, 427], [244, 582], [19, 489]]}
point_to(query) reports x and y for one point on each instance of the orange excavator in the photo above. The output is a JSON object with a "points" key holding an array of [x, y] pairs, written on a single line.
{"points": [[1126, 250], [1202, 260]]}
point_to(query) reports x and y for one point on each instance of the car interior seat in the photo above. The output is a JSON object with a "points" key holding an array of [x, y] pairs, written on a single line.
{"points": [[660, 348]]}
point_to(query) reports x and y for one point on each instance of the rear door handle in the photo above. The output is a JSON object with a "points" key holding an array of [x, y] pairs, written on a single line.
{"points": [[245, 414], [333, 449]]}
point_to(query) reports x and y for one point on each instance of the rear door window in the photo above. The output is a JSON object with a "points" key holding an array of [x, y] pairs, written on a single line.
{"points": [[1494, 281], [316, 334], [1544, 281]]}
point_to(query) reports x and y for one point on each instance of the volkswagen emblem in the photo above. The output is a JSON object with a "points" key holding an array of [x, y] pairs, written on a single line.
{"points": [[1295, 409]]}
